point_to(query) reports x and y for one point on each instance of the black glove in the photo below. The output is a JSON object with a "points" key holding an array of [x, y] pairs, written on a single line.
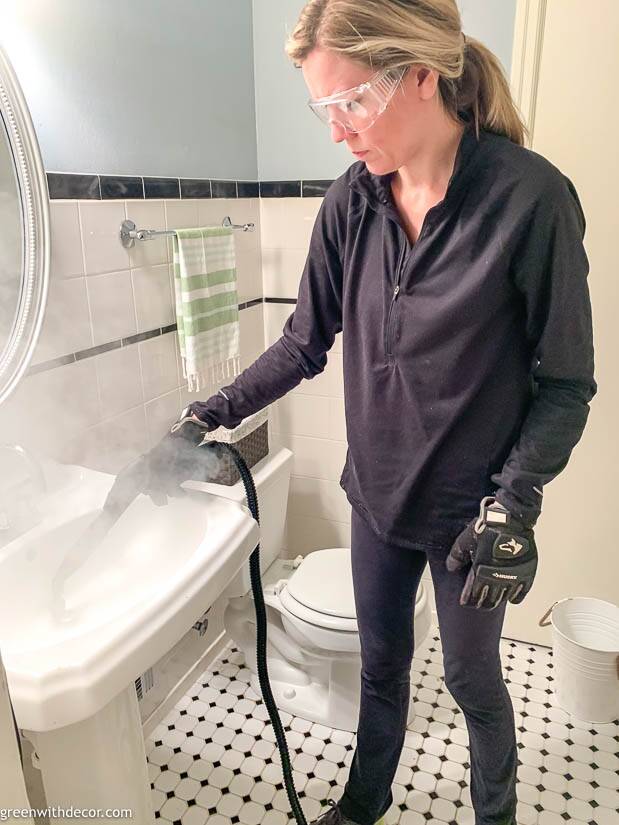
{"points": [[181, 455], [503, 557], [197, 411]]}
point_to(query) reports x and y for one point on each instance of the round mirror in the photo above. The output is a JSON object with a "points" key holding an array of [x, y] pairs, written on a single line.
{"points": [[24, 233]]}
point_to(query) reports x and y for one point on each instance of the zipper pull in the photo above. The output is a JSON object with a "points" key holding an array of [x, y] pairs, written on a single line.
{"points": [[396, 290]]}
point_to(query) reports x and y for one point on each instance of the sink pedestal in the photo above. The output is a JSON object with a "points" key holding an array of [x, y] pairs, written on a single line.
{"points": [[98, 763]]}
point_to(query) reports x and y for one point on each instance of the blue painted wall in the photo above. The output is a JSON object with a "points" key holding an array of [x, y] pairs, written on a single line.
{"points": [[150, 87]]}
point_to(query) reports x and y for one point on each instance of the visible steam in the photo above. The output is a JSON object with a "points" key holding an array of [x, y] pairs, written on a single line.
{"points": [[159, 473]]}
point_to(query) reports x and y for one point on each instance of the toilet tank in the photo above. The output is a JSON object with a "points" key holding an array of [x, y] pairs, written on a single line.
{"points": [[272, 479]]}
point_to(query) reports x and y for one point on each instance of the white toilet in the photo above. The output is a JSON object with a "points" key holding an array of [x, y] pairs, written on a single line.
{"points": [[313, 654]]}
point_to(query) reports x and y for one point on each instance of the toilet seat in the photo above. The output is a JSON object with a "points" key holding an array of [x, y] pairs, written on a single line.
{"points": [[320, 591]]}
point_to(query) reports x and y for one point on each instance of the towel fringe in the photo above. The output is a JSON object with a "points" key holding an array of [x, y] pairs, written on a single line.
{"points": [[211, 378]]}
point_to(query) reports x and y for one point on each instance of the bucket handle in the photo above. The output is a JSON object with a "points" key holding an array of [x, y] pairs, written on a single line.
{"points": [[542, 622]]}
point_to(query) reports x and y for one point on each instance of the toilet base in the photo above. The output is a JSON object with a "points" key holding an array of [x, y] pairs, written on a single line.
{"points": [[314, 684], [312, 702]]}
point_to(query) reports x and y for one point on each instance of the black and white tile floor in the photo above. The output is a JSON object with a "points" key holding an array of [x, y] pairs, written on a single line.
{"points": [[213, 758]]}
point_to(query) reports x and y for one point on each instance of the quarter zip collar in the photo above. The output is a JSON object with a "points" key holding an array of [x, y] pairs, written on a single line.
{"points": [[376, 189]]}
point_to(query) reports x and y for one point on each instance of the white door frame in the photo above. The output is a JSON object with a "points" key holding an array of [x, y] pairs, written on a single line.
{"points": [[526, 58]]}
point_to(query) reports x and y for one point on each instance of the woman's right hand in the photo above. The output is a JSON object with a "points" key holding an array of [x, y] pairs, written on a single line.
{"points": [[198, 412]]}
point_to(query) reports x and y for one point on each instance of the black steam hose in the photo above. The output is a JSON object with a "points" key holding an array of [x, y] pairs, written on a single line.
{"points": [[261, 634]]}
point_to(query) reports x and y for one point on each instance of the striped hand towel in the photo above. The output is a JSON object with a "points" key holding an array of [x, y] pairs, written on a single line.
{"points": [[207, 310]]}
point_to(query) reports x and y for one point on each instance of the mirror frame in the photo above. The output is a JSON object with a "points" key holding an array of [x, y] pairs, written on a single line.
{"points": [[34, 198]]}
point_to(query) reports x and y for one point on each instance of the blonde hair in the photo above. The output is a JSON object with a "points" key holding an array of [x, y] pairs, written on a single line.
{"points": [[399, 33]]}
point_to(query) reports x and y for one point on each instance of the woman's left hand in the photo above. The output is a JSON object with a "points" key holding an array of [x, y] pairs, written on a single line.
{"points": [[503, 557]]}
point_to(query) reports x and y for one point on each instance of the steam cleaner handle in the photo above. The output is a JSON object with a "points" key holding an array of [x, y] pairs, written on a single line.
{"points": [[188, 416]]}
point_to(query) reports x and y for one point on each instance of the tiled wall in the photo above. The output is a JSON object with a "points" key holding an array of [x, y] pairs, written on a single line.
{"points": [[108, 405]]}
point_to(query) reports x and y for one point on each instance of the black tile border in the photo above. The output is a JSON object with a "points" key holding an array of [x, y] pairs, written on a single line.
{"points": [[98, 350], [194, 188], [280, 188], [248, 188], [161, 188], [224, 189], [144, 336], [314, 188], [120, 187], [116, 186], [252, 303], [84, 187], [91, 352], [44, 366]]}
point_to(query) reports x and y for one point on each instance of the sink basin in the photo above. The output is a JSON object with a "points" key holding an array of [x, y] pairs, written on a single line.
{"points": [[78, 623]]}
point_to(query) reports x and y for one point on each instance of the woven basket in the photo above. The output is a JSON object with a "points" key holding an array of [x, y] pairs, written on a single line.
{"points": [[250, 438]]}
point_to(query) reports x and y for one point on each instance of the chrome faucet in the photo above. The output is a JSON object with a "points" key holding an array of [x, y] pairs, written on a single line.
{"points": [[35, 474]]}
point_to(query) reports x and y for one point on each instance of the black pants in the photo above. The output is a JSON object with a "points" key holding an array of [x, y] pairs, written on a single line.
{"points": [[386, 578]]}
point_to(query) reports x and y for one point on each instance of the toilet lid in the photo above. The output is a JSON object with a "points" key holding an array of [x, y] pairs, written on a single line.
{"points": [[323, 583]]}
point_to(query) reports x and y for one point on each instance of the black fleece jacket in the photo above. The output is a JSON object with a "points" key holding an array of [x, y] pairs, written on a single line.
{"points": [[468, 356]]}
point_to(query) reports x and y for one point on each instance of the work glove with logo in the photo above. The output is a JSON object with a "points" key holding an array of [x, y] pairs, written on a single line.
{"points": [[502, 553]]}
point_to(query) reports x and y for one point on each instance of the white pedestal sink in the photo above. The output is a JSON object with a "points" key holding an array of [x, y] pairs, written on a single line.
{"points": [[77, 630]]}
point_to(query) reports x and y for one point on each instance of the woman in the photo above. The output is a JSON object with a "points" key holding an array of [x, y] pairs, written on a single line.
{"points": [[452, 259]]}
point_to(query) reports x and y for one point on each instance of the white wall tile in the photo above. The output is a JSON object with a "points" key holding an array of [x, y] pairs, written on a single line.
{"points": [[153, 299], [247, 210], [248, 274], [158, 362], [67, 259], [124, 438], [118, 374], [337, 420], [337, 344], [328, 382], [282, 270], [212, 212], [66, 323], [315, 457], [147, 215], [302, 415], [100, 222], [161, 413], [112, 309], [181, 214], [287, 223], [111, 445], [304, 534], [318, 497], [335, 369], [49, 409], [318, 385], [275, 316], [251, 323]]}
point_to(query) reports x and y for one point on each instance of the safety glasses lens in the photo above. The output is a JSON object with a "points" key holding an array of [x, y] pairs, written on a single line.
{"points": [[359, 108]]}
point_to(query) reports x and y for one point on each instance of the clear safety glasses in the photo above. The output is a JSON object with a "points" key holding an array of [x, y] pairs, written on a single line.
{"points": [[358, 108]]}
